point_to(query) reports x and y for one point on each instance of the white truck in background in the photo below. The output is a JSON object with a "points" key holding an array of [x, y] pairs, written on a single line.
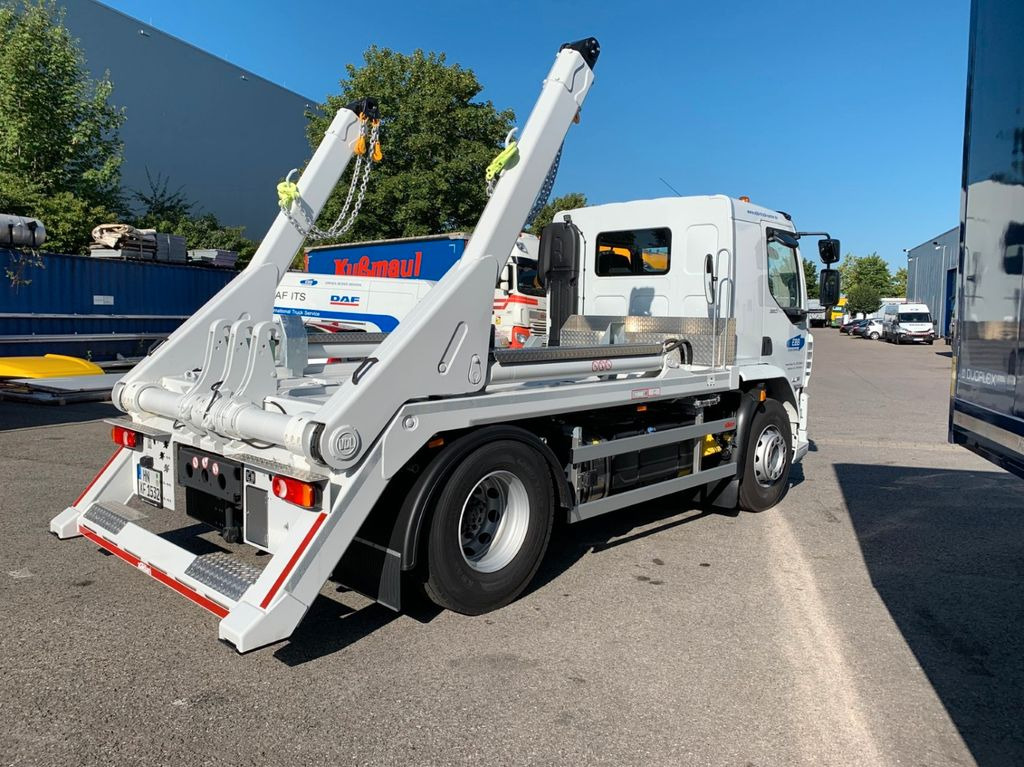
{"points": [[429, 457], [817, 315], [370, 286]]}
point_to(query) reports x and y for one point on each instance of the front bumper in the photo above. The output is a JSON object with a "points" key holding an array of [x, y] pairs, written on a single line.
{"points": [[925, 336]]}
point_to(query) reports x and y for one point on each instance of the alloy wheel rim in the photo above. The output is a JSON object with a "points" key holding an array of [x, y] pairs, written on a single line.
{"points": [[493, 523]]}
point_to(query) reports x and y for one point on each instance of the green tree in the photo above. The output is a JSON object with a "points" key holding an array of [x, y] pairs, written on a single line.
{"points": [[863, 298], [870, 271], [546, 214], [436, 140], [159, 204], [60, 156], [899, 283], [811, 278]]}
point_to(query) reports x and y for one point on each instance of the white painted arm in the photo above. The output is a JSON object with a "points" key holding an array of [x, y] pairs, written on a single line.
{"points": [[252, 292]]}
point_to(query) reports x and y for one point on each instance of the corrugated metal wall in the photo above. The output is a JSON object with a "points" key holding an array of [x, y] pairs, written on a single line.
{"points": [[928, 281], [224, 134], [96, 298]]}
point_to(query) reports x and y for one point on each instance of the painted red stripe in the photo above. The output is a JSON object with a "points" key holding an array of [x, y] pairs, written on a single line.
{"points": [[163, 577], [523, 300], [500, 303], [98, 475], [295, 558]]}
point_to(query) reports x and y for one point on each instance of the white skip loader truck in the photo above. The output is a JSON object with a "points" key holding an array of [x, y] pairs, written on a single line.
{"points": [[430, 457]]}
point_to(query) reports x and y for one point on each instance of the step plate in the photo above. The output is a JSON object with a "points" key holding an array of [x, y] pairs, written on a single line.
{"points": [[103, 517], [223, 573]]}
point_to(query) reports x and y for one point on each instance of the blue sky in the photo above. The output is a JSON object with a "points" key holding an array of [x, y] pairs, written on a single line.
{"points": [[847, 115]]}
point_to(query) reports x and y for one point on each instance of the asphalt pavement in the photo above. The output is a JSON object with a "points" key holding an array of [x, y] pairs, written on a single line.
{"points": [[873, 618]]}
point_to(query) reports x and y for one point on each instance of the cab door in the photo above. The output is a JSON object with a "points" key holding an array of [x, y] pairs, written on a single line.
{"points": [[784, 343]]}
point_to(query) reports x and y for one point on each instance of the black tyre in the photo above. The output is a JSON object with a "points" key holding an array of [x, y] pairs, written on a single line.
{"points": [[767, 459], [490, 528], [873, 336]]}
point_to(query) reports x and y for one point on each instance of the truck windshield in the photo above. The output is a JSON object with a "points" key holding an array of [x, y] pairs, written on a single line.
{"points": [[915, 317], [526, 277]]}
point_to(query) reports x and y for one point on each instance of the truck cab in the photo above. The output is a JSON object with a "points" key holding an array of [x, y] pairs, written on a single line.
{"points": [[520, 303], [707, 256]]}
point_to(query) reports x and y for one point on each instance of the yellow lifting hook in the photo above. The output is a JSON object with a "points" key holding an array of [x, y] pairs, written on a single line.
{"points": [[287, 191], [499, 162]]}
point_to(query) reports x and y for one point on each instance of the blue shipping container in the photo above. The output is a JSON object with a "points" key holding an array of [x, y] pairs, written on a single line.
{"points": [[113, 306], [424, 258]]}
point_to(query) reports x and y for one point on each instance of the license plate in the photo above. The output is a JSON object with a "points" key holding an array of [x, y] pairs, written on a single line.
{"points": [[151, 486]]}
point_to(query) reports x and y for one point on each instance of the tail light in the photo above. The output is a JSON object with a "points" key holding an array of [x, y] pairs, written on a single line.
{"points": [[125, 437], [295, 491]]}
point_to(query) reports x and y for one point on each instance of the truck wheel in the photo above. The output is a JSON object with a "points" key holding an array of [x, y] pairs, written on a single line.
{"points": [[490, 528], [767, 458]]}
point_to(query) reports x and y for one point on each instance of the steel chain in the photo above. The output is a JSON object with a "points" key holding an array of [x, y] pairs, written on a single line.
{"points": [[346, 218], [545, 188]]}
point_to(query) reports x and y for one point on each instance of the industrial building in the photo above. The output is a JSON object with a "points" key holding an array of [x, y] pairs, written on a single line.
{"points": [[931, 277], [224, 135]]}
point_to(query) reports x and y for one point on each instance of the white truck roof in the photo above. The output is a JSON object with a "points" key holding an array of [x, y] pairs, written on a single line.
{"points": [[702, 208]]}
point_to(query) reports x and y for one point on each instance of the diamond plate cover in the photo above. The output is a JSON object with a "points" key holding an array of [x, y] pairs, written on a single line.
{"points": [[109, 520], [224, 573], [713, 341]]}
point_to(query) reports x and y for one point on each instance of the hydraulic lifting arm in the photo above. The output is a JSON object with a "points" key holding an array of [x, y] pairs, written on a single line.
{"points": [[251, 295], [441, 348]]}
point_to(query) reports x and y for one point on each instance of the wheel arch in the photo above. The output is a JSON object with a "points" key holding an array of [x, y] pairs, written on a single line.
{"points": [[776, 385], [414, 515]]}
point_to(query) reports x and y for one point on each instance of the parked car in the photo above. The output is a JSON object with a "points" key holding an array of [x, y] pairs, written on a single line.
{"points": [[847, 327], [868, 329]]}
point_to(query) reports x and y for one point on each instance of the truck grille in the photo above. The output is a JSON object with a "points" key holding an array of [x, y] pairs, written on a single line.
{"points": [[538, 322]]}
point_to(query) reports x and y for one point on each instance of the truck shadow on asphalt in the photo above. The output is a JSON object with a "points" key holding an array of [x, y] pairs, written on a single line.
{"points": [[945, 552], [331, 626]]}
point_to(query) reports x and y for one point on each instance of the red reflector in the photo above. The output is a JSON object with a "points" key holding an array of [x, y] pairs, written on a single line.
{"points": [[294, 491], [124, 437], [730, 424]]}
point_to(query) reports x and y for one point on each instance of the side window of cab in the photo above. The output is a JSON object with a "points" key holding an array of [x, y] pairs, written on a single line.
{"points": [[784, 272], [633, 252]]}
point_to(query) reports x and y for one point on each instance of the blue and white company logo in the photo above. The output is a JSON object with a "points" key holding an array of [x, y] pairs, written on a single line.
{"points": [[307, 282], [795, 344]]}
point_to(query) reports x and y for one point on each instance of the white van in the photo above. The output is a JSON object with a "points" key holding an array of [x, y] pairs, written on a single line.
{"points": [[908, 323]]}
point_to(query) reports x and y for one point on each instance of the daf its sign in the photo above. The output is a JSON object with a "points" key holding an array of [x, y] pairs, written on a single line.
{"points": [[795, 344]]}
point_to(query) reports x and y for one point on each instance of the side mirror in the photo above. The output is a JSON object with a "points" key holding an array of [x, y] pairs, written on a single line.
{"points": [[828, 250], [559, 251], [505, 280], [710, 280], [828, 285]]}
